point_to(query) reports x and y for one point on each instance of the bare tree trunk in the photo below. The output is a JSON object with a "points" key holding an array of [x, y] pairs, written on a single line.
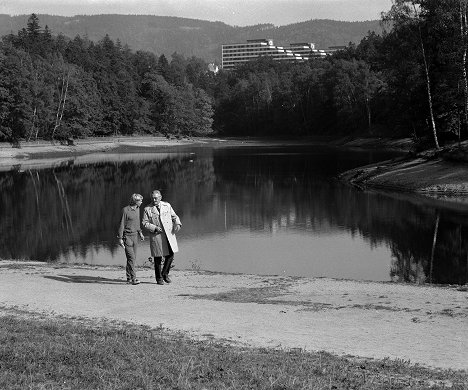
{"points": [[57, 115], [34, 73], [33, 124], [369, 118], [61, 103], [37, 132], [428, 83], [463, 32], [65, 96]]}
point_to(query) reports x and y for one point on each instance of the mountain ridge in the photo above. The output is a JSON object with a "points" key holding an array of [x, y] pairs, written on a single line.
{"points": [[192, 37]]}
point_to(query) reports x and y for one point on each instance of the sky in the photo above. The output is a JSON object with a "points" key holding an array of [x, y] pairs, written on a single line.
{"points": [[232, 12]]}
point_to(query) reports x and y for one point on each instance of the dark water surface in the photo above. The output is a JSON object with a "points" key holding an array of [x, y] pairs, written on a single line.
{"points": [[264, 210]]}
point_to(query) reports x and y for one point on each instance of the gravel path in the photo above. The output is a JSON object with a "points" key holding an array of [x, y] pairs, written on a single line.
{"points": [[422, 324]]}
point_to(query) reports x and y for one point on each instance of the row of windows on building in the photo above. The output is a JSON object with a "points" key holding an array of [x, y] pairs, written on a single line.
{"points": [[234, 54]]}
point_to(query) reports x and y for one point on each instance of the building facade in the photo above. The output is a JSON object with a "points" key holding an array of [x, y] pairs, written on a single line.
{"points": [[235, 54]]}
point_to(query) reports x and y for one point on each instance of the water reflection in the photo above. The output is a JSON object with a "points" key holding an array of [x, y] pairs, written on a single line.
{"points": [[269, 210]]}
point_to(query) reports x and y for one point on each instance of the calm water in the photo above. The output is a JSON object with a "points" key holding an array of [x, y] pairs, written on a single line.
{"points": [[264, 210]]}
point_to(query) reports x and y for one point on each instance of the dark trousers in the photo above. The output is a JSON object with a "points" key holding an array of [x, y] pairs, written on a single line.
{"points": [[167, 265], [131, 245]]}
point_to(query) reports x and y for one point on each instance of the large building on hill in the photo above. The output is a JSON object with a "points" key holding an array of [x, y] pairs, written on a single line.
{"points": [[234, 54]]}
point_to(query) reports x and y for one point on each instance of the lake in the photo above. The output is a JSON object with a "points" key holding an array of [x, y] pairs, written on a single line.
{"points": [[268, 209]]}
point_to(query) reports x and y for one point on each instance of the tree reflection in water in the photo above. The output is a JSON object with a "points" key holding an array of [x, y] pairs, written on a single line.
{"points": [[439, 258], [49, 213]]}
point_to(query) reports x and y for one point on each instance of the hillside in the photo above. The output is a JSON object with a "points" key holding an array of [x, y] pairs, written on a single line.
{"points": [[192, 37]]}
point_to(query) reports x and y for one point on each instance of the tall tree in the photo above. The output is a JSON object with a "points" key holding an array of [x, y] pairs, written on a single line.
{"points": [[33, 28], [408, 13], [464, 48], [177, 69]]}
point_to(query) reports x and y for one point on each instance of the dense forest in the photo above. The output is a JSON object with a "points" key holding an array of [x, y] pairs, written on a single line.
{"points": [[202, 38], [410, 80], [54, 87]]}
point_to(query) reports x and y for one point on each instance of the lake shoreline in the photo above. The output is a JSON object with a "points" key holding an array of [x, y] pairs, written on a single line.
{"points": [[434, 174], [440, 175], [42, 148], [347, 318], [47, 154]]}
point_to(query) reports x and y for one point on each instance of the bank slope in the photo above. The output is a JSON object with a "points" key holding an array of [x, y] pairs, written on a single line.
{"points": [[441, 173]]}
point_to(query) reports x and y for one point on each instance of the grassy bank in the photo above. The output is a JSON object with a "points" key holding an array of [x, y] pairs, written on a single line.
{"points": [[40, 352]]}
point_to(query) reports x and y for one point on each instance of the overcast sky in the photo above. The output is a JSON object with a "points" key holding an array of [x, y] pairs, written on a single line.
{"points": [[233, 12]]}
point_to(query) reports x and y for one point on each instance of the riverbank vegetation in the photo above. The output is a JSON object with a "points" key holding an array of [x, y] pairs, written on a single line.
{"points": [[408, 81], [411, 80], [47, 352]]}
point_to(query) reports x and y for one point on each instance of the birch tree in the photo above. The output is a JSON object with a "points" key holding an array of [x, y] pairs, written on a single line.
{"points": [[464, 36], [408, 12], [62, 86]]}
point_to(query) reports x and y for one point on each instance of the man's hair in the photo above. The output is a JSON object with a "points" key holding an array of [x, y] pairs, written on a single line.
{"points": [[135, 198]]}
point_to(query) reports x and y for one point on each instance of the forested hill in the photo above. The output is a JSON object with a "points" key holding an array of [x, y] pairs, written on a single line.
{"points": [[192, 37]]}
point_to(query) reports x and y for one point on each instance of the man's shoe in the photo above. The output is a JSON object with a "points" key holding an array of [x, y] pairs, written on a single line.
{"points": [[159, 281], [167, 279], [129, 281], [136, 281]]}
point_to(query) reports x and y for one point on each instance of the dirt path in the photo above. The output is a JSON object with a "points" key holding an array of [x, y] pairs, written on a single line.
{"points": [[423, 324]]}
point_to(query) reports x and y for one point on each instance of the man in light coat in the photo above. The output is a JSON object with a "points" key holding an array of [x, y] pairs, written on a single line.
{"points": [[161, 221]]}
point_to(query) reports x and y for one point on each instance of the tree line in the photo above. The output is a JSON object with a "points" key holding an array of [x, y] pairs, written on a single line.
{"points": [[410, 80], [54, 87]]}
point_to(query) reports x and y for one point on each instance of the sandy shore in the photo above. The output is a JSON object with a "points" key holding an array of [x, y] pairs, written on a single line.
{"points": [[45, 154], [425, 325]]}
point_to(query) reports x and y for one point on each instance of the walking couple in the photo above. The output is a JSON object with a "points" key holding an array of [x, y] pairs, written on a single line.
{"points": [[161, 222]]}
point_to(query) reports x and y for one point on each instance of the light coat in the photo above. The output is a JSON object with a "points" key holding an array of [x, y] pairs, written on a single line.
{"points": [[161, 225]]}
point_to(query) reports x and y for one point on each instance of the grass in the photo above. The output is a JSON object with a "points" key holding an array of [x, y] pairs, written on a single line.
{"points": [[43, 352]]}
